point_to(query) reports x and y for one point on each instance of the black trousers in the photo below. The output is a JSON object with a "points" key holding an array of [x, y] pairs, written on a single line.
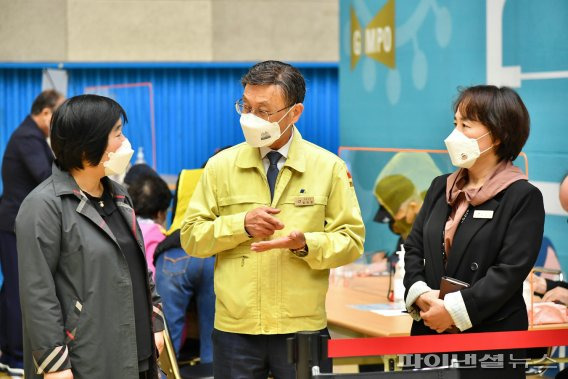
{"points": [[10, 312], [246, 356]]}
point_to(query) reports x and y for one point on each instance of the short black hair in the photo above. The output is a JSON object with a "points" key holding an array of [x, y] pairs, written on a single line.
{"points": [[80, 128], [502, 111], [150, 195], [46, 99], [285, 76]]}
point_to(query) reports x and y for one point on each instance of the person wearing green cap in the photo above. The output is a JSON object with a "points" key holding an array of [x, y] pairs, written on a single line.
{"points": [[397, 196], [400, 188]]}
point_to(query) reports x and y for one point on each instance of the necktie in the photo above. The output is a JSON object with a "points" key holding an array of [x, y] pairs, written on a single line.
{"points": [[272, 173]]}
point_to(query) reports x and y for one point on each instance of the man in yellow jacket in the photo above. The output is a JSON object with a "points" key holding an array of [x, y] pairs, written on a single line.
{"points": [[279, 212]]}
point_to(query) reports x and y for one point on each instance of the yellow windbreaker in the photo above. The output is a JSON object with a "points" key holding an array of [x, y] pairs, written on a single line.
{"points": [[274, 292]]}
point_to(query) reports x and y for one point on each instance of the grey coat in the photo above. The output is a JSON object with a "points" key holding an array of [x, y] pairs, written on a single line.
{"points": [[75, 286]]}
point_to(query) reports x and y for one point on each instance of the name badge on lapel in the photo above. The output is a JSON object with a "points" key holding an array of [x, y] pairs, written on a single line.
{"points": [[302, 201], [483, 214]]}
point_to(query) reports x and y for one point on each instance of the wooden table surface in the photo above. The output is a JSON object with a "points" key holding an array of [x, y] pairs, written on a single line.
{"points": [[352, 322], [348, 322]]}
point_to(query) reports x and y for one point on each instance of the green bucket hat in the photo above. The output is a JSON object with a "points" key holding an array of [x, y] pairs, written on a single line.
{"points": [[393, 190]]}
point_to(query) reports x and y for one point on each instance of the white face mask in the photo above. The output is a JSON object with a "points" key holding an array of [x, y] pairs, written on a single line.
{"points": [[118, 160], [259, 132], [463, 151]]}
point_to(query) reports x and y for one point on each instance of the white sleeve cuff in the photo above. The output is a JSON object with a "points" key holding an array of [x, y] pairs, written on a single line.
{"points": [[415, 290], [456, 308]]}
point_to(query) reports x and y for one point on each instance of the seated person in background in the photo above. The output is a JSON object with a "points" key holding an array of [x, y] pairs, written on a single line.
{"points": [[180, 277], [399, 189], [138, 171], [151, 198], [556, 291], [399, 203]]}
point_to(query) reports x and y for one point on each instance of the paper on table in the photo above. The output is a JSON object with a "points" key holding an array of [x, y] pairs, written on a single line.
{"points": [[389, 312], [383, 309]]}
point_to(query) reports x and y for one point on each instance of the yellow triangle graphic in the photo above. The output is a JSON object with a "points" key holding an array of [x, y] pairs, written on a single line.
{"points": [[356, 39], [380, 36]]}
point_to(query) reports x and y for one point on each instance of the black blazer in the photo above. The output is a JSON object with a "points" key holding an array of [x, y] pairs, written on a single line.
{"points": [[493, 255], [26, 163]]}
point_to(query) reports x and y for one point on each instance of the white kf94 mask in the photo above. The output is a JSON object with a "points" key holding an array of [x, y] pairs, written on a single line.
{"points": [[259, 132], [463, 150], [118, 160]]}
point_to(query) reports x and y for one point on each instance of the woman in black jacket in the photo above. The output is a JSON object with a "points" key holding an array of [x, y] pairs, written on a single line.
{"points": [[482, 225]]}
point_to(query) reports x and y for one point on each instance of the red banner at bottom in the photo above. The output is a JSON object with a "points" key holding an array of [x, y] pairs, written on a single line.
{"points": [[361, 347]]}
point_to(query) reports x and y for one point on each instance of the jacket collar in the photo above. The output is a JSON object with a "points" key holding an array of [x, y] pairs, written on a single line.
{"points": [[64, 184], [464, 234], [32, 127], [249, 157]]}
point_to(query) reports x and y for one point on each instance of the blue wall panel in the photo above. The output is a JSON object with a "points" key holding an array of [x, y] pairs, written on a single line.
{"points": [[441, 45], [194, 105], [18, 89]]}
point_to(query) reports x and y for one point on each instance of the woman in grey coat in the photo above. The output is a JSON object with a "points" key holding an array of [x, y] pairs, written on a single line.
{"points": [[89, 306]]}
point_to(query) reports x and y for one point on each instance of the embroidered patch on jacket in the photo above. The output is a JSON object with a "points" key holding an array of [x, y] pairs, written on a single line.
{"points": [[349, 178]]}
